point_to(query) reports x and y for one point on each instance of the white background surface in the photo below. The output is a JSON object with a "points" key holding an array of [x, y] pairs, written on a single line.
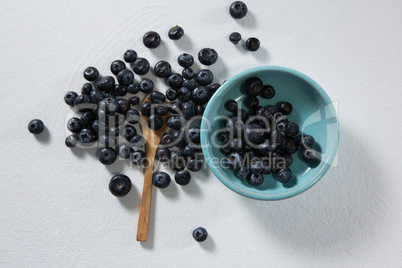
{"points": [[56, 209]]}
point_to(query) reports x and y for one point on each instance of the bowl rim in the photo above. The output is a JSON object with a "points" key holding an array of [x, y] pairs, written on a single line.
{"points": [[297, 191]]}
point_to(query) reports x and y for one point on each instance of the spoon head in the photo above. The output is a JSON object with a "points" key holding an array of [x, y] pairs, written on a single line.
{"points": [[153, 137]]}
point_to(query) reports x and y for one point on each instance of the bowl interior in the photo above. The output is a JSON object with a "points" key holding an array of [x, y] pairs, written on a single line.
{"points": [[312, 110]]}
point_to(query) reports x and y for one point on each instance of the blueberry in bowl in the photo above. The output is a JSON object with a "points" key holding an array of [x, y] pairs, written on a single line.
{"points": [[303, 132]]}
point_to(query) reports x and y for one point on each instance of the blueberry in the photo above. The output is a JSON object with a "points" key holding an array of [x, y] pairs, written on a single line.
{"points": [[182, 177], [134, 101], [256, 166], [141, 66], [133, 88], [235, 160], [70, 97], [279, 117], [107, 156], [179, 138], [147, 108], [193, 135], [177, 160], [139, 158], [190, 150], [109, 105], [265, 113], [311, 156], [129, 132], [213, 88], [237, 145], [74, 125], [120, 185], [171, 94], [253, 86], [255, 133], [188, 73], [87, 118], [251, 102], [162, 109], [307, 141], [155, 121], [278, 137], [107, 141], [175, 80], [130, 56], [125, 77], [284, 175], [176, 107], [114, 131], [167, 140], [161, 179], [199, 110], [231, 106], [200, 234], [266, 147], [185, 60], [157, 97], [84, 103], [238, 10], [201, 95], [207, 56], [132, 116], [71, 141], [235, 37], [137, 141], [151, 39], [175, 122], [162, 69], [266, 163], [282, 126], [243, 173], [125, 151], [96, 95], [255, 179], [272, 109], [95, 126], [86, 89], [184, 94], [204, 77], [146, 85], [190, 84], [236, 126], [123, 106], [176, 32], [292, 129], [162, 154], [194, 165], [117, 66], [91, 74], [188, 110], [253, 44], [268, 92], [120, 90], [36, 126], [86, 136], [285, 108]]}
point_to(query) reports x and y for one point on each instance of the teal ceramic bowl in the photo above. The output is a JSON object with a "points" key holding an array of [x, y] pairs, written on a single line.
{"points": [[313, 110]]}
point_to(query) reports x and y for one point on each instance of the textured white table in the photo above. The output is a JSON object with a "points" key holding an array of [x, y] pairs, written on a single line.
{"points": [[56, 209]]}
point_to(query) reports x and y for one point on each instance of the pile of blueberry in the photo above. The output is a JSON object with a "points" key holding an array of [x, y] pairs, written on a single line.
{"points": [[262, 140]]}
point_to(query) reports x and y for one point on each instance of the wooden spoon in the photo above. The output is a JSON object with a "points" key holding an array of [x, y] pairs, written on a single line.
{"points": [[153, 138]]}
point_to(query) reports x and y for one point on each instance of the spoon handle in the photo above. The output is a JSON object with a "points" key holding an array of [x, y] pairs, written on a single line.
{"points": [[145, 207]]}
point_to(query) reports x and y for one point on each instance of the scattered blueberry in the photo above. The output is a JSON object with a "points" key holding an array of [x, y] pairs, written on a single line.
{"points": [[155, 121], [171, 94], [120, 185], [182, 177], [253, 44], [134, 101], [71, 141], [138, 158], [190, 84], [175, 80], [188, 110], [307, 141], [188, 73], [253, 86], [96, 95], [268, 92], [184, 94], [243, 174], [200, 234], [74, 125], [251, 102], [141, 66], [185, 60], [176, 32], [86, 89], [157, 97], [70, 97], [204, 77], [106, 84], [162, 109], [146, 85], [167, 140], [133, 88], [129, 132], [311, 156], [175, 122], [125, 77], [285, 108], [207, 56], [151, 39], [162, 154], [231, 106], [117, 66], [132, 116], [162, 69], [161, 179], [120, 90], [235, 37], [284, 175], [91, 74], [147, 108], [125, 151], [107, 156], [255, 179], [238, 10], [201, 95], [84, 103], [177, 160], [130, 56]]}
